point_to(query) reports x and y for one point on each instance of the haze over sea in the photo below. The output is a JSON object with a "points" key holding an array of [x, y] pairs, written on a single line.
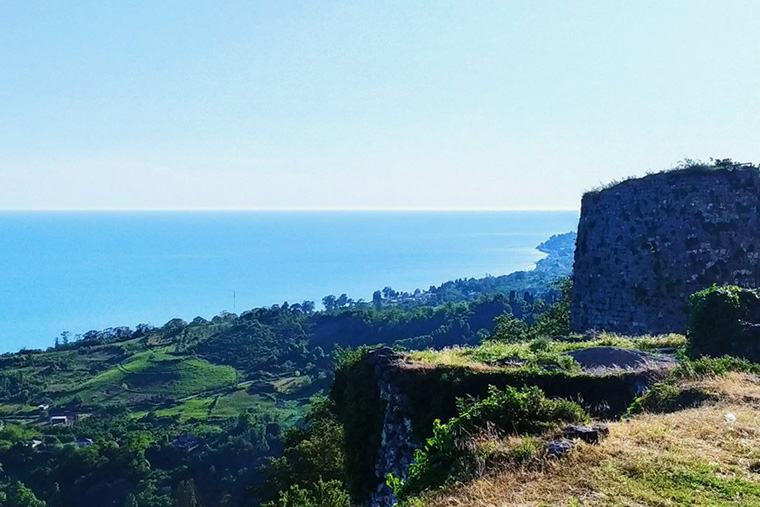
{"points": [[76, 271]]}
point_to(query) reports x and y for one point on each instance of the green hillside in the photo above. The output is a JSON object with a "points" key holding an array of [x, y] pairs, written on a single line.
{"points": [[204, 405]]}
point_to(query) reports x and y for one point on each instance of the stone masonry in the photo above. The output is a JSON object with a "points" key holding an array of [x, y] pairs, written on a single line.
{"points": [[397, 446], [645, 245]]}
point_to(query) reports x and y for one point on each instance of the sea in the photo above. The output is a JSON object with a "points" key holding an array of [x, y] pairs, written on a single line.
{"points": [[78, 271]]}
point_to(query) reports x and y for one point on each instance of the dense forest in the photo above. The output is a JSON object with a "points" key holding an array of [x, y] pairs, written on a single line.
{"points": [[199, 413]]}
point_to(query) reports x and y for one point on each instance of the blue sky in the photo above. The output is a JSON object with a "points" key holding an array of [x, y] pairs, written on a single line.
{"points": [[326, 104]]}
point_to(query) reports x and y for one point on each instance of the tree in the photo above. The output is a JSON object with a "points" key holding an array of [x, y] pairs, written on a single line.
{"points": [[389, 293], [310, 454], [20, 496], [329, 302], [150, 497], [319, 494], [143, 329], [185, 495], [377, 299], [722, 162], [509, 329], [65, 337], [555, 321]]}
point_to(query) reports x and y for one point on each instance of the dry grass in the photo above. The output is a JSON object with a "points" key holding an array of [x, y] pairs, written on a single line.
{"points": [[490, 353], [693, 457], [453, 356]]}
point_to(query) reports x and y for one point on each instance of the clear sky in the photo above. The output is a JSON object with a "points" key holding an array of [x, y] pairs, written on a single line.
{"points": [[373, 104]]}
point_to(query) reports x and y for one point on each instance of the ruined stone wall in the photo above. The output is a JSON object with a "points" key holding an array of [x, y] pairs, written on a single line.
{"points": [[397, 443], [416, 395], [645, 245]]}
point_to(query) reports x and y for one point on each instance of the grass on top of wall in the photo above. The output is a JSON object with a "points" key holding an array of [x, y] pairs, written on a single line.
{"points": [[539, 351]]}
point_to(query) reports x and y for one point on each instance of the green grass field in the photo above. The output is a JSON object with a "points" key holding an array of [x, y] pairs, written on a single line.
{"points": [[227, 407], [155, 374], [290, 385]]}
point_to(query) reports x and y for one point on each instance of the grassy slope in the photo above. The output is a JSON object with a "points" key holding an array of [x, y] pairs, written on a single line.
{"points": [[155, 373], [691, 457], [147, 375]]}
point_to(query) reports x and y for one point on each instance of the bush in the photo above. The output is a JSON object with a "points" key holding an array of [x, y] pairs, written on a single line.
{"points": [[713, 366], [663, 397], [725, 321], [508, 411], [668, 396], [541, 345], [319, 494], [714, 314], [513, 410], [552, 361]]}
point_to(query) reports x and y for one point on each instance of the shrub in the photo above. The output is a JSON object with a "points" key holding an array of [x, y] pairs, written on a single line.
{"points": [[663, 397], [551, 361], [525, 451], [513, 410], [668, 396], [508, 411], [713, 317], [319, 494], [712, 366], [540, 345]]}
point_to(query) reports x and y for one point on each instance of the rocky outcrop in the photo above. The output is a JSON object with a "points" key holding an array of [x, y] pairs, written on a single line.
{"points": [[645, 245], [397, 445]]}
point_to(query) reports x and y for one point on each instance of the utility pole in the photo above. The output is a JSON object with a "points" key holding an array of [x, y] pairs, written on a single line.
{"points": [[234, 302]]}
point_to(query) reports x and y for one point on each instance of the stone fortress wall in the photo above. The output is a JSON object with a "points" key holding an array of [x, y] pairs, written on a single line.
{"points": [[645, 245]]}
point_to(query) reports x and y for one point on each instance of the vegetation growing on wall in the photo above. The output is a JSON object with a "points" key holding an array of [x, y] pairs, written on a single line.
{"points": [[360, 409], [508, 411], [693, 457], [686, 165], [714, 320]]}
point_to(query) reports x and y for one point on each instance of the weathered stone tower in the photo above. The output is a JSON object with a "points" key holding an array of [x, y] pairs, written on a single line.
{"points": [[645, 245]]}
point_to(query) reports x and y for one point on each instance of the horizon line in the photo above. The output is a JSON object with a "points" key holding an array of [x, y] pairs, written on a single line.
{"points": [[421, 209]]}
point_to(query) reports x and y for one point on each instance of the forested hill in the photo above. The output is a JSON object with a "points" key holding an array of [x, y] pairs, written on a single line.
{"points": [[152, 416]]}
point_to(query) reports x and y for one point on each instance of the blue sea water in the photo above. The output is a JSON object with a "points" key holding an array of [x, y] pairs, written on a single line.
{"points": [[76, 271]]}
